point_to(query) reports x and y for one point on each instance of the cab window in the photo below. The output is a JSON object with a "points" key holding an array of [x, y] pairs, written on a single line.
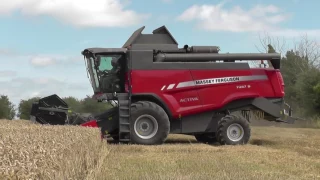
{"points": [[105, 63]]}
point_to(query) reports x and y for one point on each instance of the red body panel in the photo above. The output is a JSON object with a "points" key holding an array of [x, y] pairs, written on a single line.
{"points": [[205, 97], [92, 123]]}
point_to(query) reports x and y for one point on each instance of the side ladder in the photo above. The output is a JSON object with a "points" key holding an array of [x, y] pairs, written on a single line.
{"points": [[124, 117]]}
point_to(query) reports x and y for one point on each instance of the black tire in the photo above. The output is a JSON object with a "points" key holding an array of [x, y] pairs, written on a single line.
{"points": [[239, 123], [153, 113], [206, 138]]}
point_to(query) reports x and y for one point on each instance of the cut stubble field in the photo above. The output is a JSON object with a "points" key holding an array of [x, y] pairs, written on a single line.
{"points": [[30, 151]]}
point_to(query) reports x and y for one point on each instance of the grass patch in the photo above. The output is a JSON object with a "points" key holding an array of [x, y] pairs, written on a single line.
{"points": [[313, 122]]}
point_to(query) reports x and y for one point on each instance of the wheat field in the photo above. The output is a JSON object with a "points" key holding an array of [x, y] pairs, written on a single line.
{"points": [[30, 151]]}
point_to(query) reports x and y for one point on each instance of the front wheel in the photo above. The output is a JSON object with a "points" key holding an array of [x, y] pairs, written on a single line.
{"points": [[233, 130], [150, 123]]}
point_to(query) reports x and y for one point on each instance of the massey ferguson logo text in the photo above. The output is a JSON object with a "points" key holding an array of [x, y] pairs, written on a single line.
{"points": [[217, 80]]}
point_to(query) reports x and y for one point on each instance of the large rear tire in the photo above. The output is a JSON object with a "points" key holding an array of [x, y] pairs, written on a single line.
{"points": [[150, 123], [233, 130]]}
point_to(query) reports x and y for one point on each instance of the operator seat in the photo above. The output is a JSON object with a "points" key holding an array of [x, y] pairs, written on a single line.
{"points": [[115, 64]]}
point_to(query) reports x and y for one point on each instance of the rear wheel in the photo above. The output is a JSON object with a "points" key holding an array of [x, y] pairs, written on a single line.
{"points": [[233, 130], [206, 138], [150, 123]]}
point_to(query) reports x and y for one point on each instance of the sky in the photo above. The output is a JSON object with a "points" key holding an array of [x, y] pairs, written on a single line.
{"points": [[41, 40]]}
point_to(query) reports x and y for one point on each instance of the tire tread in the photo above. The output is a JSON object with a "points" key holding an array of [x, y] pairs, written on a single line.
{"points": [[163, 122], [222, 127]]}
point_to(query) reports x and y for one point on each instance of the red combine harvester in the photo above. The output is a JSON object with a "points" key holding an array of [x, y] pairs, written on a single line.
{"points": [[161, 88]]}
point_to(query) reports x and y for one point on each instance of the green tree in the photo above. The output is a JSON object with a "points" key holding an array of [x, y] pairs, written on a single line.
{"points": [[24, 108], [316, 89], [7, 110], [301, 77], [292, 66], [73, 103], [89, 105], [308, 91]]}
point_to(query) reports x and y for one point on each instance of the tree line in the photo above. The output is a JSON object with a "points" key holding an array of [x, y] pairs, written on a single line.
{"points": [[300, 68]]}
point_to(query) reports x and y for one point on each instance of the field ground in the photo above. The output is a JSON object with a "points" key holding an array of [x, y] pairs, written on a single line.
{"points": [[45, 152]]}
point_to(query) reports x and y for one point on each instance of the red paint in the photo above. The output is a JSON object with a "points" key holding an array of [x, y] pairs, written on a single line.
{"points": [[212, 96], [91, 123]]}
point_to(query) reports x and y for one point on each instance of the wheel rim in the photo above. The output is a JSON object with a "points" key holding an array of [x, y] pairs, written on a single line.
{"points": [[235, 132], [146, 126]]}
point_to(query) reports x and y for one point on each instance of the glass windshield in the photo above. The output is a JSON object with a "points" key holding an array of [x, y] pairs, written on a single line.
{"points": [[97, 70], [92, 73], [105, 63]]}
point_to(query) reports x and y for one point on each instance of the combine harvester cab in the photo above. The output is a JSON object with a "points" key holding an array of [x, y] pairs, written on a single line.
{"points": [[161, 88]]}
